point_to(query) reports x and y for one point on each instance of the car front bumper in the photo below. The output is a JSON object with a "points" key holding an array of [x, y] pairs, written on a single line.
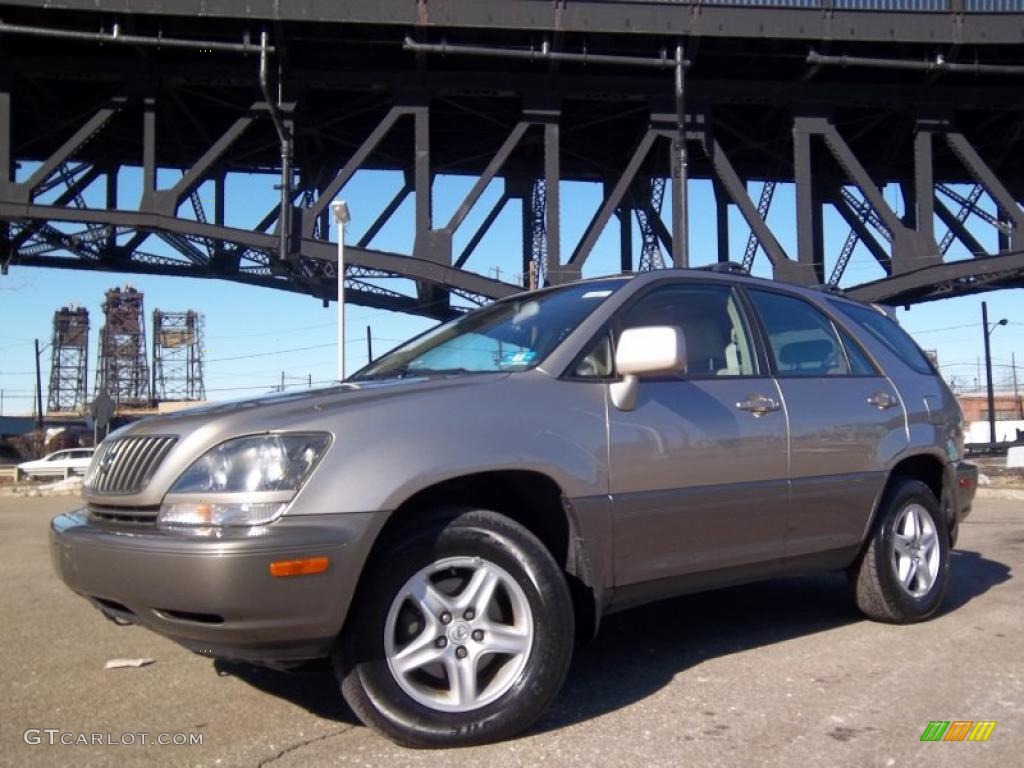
{"points": [[214, 594]]}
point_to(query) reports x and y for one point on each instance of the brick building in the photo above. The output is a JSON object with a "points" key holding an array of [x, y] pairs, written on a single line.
{"points": [[1009, 407]]}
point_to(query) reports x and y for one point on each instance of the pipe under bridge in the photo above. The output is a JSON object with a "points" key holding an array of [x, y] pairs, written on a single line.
{"points": [[844, 99]]}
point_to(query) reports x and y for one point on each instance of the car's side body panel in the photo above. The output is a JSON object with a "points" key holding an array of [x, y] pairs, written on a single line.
{"points": [[840, 449], [697, 483]]}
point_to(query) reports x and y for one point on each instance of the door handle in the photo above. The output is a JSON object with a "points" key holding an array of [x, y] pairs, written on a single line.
{"points": [[881, 400], [758, 404]]}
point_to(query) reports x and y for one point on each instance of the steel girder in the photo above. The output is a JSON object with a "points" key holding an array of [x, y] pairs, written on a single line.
{"points": [[494, 125], [927, 21]]}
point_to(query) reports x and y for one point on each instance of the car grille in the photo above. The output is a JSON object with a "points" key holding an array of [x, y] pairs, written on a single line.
{"points": [[123, 515], [126, 464]]}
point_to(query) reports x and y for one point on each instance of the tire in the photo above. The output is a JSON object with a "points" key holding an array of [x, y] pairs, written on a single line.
{"points": [[475, 599], [888, 583]]}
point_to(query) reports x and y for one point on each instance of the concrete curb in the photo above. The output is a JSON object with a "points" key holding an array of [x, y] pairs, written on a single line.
{"points": [[32, 492], [1001, 493]]}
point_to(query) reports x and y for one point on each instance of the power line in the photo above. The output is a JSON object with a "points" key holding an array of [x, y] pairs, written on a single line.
{"points": [[276, 332], [947, 328], [268, 353]]}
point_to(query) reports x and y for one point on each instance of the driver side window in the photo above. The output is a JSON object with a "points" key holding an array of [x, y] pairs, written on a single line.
{"points": [[717, 339]]}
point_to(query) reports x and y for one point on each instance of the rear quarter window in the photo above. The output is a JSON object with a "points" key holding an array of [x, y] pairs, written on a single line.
{"points": [[888, 332]]}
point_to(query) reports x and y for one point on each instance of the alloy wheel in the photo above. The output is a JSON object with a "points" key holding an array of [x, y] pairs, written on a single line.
{"points": [[458, 634]]}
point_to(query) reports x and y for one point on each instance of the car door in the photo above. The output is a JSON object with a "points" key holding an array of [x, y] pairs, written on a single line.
{"points": [[845, 417], [697, 470]]}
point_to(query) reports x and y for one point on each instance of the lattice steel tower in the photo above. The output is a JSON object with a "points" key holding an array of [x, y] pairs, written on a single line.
{"points": [[69, 366], [122, 369], [178, 356]]}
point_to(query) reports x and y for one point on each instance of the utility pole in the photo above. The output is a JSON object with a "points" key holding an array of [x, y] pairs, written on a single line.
{"points": [[988, 376], [369, 346], [988, 370], [282, 381], [39, 393], [1016, 390]]}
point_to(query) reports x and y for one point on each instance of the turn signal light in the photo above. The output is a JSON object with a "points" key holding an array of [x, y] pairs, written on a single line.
{"points": [[301, 567]]}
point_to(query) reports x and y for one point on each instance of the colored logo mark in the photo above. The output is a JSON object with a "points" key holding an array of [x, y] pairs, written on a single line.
{"points": [[958, 730]]}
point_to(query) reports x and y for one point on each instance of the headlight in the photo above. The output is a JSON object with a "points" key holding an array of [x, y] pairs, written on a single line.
{"points": [[244, 481]]}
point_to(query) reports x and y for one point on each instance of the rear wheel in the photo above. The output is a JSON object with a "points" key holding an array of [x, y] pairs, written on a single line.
{"points": [[902, 575], [463, 634]]}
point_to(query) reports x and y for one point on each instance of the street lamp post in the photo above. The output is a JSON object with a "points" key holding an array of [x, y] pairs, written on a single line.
{"points": [[39, 385], [988, 370], [341, 217]]}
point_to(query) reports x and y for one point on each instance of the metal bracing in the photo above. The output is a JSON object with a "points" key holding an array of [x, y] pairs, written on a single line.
{"points": [[961, 216], [69, 363], [970, 206], [535, 260], [648, 215], [865, 212], [864, 215], [764, 203], [178, 356], [600, 116]]}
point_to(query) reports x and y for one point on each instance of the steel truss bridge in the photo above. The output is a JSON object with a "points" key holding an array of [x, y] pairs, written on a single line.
{"points": [[841, 97]]}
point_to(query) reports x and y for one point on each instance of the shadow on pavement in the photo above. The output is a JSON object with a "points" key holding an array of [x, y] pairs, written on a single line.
{"points": [[310, 686], [639, 651], [972, 575]]}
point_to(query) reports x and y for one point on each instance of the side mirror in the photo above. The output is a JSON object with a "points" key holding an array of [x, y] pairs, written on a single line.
{"points": [[648, 351]]}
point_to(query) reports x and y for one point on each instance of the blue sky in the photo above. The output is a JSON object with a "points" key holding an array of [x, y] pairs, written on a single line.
{"points": [[253, 334]]}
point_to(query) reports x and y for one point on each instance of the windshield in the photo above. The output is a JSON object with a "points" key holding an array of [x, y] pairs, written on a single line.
{"points": [[510, 335]]}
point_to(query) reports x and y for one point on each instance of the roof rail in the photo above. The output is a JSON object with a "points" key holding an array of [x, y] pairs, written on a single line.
{"points": [[726, 267]]}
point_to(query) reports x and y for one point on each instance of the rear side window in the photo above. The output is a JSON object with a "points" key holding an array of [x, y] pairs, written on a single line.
{"points": [[889, 333], [803, 341]]}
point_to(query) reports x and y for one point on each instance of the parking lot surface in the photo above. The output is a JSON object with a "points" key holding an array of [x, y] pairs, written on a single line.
{"points": [[776, 674]]}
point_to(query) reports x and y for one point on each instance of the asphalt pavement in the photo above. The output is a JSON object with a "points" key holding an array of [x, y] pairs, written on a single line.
{"points": [[776, 674]]}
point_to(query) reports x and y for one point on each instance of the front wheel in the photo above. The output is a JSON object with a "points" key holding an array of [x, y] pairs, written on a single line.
{"points": [[901, 576], [462, 634]]}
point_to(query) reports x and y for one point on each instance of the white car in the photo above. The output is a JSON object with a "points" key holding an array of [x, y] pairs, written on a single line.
{"points": [[73, 461]]}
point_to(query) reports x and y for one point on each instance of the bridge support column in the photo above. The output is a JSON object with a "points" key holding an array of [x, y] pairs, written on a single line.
{"points": [[809, 228], [6, 167], [924, 184], [721, 220], [148, 152], [552, 174]]}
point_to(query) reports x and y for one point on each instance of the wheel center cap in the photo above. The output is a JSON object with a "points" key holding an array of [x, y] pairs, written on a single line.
{"points": [[459, 632]]}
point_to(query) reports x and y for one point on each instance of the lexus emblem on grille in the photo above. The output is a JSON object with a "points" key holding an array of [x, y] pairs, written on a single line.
{"points": [[107, 461]]}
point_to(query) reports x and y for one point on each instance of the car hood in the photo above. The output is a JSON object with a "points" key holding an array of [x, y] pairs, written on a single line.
{"points": [[291, 410], [198, 429]]}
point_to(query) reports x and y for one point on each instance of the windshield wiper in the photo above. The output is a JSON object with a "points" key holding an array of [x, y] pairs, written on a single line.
{"points": [[397, 373], [404, 371]]}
